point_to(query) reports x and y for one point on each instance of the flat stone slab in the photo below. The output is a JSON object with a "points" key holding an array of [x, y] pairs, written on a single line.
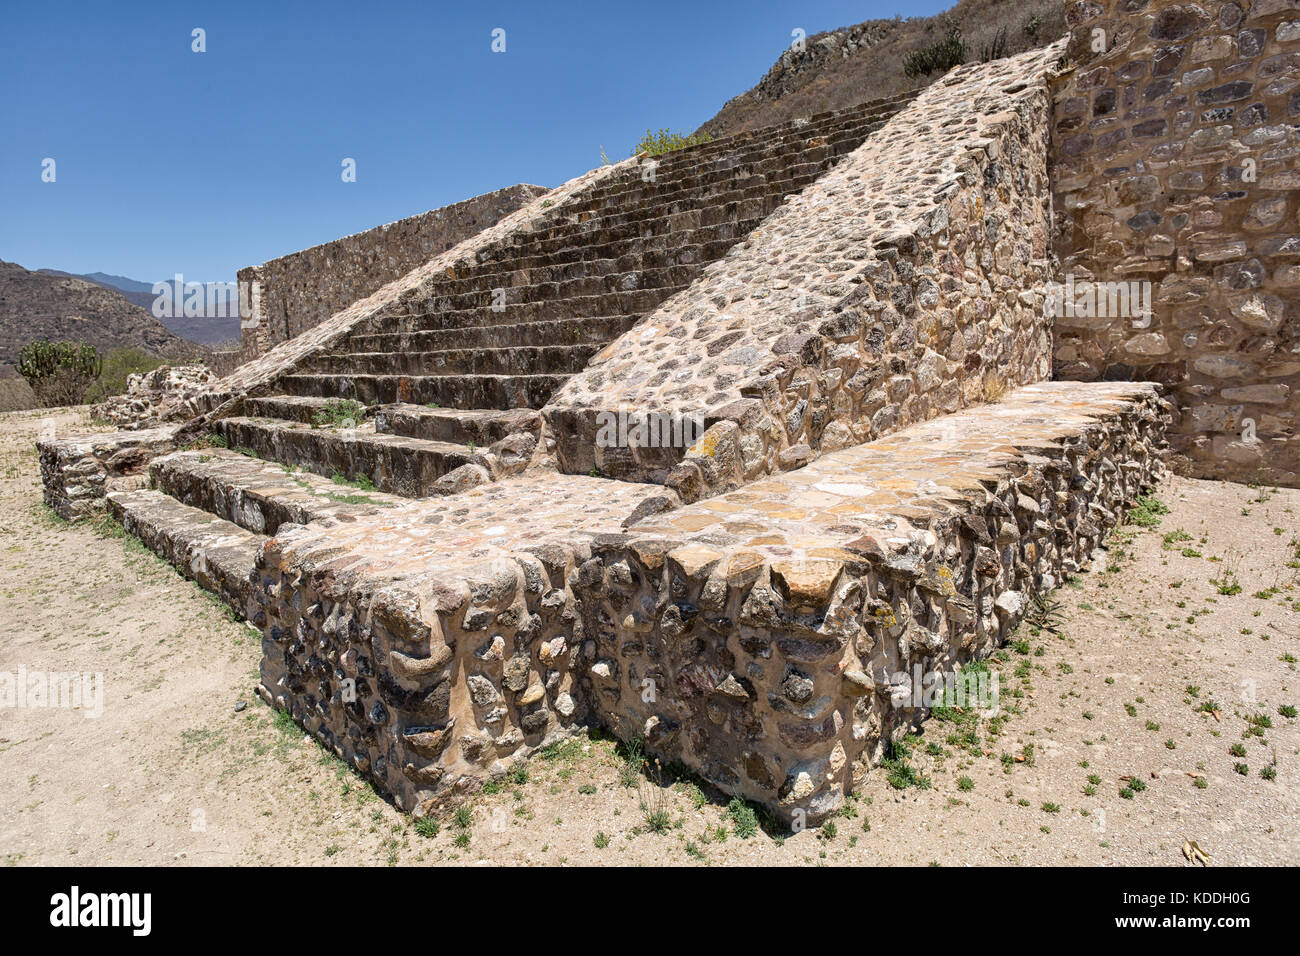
{"points": [[220, 556], [260, 495], [448, 536], [882, 490]]}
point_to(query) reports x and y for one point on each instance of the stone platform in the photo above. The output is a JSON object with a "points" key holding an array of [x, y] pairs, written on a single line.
{"points": [[753, 636]]}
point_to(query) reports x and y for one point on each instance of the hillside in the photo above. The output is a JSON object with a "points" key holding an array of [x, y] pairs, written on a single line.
{"points": [[204, 330], [854, 64], [15, 393], [36, 305]]}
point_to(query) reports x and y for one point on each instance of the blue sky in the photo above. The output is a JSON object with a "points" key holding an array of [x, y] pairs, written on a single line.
{"points": [[171, 161]]}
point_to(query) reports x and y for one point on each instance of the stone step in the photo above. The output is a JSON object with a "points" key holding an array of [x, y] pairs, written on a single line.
{"points": [[259, 495], [460, 426], [596, 330], [716, 187], [219, 555], [683, 248], [577, 307], [774, 166], [694, 225], [667, 217], [454, 391], [515, 360], [481, 296], [678, 246], [810, 142], [294, 408], [435, 318], [703, 235], [691, 155], [392, 464], [784, 142], [560, 243]]}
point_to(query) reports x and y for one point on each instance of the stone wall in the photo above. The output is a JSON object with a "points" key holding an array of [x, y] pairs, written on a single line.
{"points": [[403, 294], [1176, 143], [78, 472], [300, 290], [906, 283], [781, 626], [435, 648]]}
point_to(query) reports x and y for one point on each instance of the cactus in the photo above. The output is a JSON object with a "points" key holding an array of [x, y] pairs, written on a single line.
{"points": [[59, 373]]}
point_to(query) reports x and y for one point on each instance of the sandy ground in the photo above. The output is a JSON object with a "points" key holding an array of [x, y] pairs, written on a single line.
{"points": [[1154, 674]]}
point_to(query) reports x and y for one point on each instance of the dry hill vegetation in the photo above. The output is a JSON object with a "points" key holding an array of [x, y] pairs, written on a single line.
{"points": [[840, 68], [15, 393], [35, 305]]}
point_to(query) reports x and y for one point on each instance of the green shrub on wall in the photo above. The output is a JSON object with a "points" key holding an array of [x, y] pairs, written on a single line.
{"points": [[665, 141], [938, 57]]}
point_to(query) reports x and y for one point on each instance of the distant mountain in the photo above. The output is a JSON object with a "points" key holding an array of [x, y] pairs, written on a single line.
{"points": [[36, 305], [844, 67], [121, 283], [203, 329]]}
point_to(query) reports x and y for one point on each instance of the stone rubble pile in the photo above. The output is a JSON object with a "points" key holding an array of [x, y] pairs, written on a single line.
{"points": [[166, 394]]}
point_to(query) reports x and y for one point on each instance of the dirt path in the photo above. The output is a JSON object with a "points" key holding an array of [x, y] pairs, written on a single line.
{"points": [[1156, 676]]}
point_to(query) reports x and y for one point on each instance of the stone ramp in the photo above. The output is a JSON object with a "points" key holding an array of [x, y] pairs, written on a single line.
{"points": [[756, 637], [906, 283]]}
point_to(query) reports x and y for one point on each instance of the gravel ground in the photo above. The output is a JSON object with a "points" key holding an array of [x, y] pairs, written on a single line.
{"points": [[1148, 708]]}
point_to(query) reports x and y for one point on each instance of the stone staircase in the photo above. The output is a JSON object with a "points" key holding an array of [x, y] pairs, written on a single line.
{"points": [[885, 481], [564, 293], [508, 331]]}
